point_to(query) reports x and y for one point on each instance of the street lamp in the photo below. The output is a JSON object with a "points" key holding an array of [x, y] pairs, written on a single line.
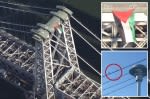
{"points": [[138, 71]]}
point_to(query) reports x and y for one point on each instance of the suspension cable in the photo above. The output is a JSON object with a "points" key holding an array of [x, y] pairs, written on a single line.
{"points": [[110, 81], [86, 41], [118, 84], [15, 24], [63, 44], [27, 11], [126, 66], [118, 89], [85, 28], [29, 6], [10, 29]]}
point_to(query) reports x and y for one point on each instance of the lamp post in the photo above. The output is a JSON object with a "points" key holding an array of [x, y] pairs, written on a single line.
{"points": [[138, 71]]}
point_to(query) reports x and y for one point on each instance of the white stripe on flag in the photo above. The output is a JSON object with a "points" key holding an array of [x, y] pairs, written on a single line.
{"points": [[127, 31]]}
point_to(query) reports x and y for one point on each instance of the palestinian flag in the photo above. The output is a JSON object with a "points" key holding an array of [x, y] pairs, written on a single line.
{"points": [[125, 24]]}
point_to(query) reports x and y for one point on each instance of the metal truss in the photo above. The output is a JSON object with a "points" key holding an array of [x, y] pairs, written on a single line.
{"points": [[52, 64], [69, 41], [22, 78], [17, 51], [17, 61], [75, 84], [44, 74], [57, 61], [112, 39]]}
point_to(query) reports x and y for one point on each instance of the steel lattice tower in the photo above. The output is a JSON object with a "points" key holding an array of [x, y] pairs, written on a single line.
{"points": [[50, 69]]}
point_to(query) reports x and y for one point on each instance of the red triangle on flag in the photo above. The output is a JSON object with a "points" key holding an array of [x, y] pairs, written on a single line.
{"points": [[123, 15]]}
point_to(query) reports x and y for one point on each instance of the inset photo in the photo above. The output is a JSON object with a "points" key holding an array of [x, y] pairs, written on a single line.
{"points": [[124, 25], [124, 73]]}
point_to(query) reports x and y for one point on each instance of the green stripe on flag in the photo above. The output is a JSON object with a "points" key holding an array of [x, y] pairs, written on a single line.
{"points": [[132, 26]]}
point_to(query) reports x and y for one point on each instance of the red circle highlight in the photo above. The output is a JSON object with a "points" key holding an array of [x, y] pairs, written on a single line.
{"points": [[113, 79]]}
